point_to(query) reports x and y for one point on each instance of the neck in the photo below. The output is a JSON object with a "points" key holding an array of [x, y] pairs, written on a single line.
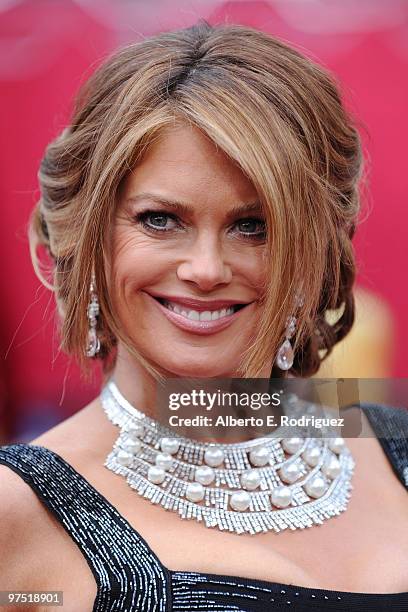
{"points": [[135, 383], [140, 389]]}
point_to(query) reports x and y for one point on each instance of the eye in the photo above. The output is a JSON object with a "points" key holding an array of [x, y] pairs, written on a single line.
{"points": [[251, 227], [157, 221]]}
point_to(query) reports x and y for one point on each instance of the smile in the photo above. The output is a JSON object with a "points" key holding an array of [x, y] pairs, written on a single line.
{"points": [[201, 319], [196, 315]]}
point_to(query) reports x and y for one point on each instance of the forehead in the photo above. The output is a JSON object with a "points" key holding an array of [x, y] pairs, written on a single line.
{"points": [[184, 163]]}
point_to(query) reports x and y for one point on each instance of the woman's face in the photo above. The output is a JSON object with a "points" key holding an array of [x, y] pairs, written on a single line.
{"points": [[188, 256]]}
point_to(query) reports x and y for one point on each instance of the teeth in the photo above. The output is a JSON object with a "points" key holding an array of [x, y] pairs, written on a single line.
{"points": [[205, 316], [195, 315], [192, 314]]}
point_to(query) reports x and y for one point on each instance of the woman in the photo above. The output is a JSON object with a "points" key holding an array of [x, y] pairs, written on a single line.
{"points": [[198, 213]]}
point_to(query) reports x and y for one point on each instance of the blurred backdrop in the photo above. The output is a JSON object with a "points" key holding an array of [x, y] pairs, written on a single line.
{"points": [[49, 47]]}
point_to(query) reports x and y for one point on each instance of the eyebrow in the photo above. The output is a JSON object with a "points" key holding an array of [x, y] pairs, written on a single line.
{"points": [[184, 208]]}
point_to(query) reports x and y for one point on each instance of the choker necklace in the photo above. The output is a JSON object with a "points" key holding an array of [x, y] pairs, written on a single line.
{"points": [[264, 484]]}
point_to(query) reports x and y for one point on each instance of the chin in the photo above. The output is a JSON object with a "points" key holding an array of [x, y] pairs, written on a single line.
{"points": [[206, 369]]}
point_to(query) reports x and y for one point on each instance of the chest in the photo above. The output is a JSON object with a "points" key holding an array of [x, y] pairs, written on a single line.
{"points": [[365, 549], [348, 552], [345, 553], [317, 558]]}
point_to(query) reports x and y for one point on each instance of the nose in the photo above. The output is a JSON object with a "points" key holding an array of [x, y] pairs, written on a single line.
{"points": [[204, 264]]}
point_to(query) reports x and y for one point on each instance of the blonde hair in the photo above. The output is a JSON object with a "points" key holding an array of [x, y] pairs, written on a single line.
{"points": [[273, 111]]}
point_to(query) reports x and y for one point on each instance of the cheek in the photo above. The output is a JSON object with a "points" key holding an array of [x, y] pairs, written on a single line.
{"points": [[252, 265], [136, 261]]}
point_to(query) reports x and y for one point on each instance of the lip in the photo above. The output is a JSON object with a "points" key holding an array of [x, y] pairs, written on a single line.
{"points": [[195, 304], [202, 328]]}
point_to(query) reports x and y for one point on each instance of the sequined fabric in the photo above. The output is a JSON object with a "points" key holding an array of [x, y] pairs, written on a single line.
{"points": [[131, 578], [128, 575], [391, 428]]}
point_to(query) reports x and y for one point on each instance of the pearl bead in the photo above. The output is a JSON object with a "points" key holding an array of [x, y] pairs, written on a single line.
{"points": [[134, 429], [132, 446], [164, 461], [316, 486], [281, 497], [289, 473], [292, 445], [240, 501], [336, 444], [204, 474], [331, 467], [195, 491], [124, 457], [312, 455], [260, 456], [169, 445], [156, 474], [250, 480], [213, 456]]}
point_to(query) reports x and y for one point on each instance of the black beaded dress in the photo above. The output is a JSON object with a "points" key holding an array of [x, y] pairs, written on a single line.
{"points": [[130, 577]]}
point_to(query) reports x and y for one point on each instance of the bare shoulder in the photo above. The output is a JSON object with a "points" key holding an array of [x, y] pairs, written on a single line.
{"points": [[27, 527], [72, 432], [81, 439], [19, 513]]}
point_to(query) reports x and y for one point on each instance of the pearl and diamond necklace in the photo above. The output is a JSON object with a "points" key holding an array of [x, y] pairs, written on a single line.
{"points": [[264, 484]]}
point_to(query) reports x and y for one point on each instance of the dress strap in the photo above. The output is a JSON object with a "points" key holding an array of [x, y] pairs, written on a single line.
{"points": [[390, 425], [128, 574]]}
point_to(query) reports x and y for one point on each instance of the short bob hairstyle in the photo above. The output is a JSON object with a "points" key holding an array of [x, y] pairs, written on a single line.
{"points": [[276, 114]]}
